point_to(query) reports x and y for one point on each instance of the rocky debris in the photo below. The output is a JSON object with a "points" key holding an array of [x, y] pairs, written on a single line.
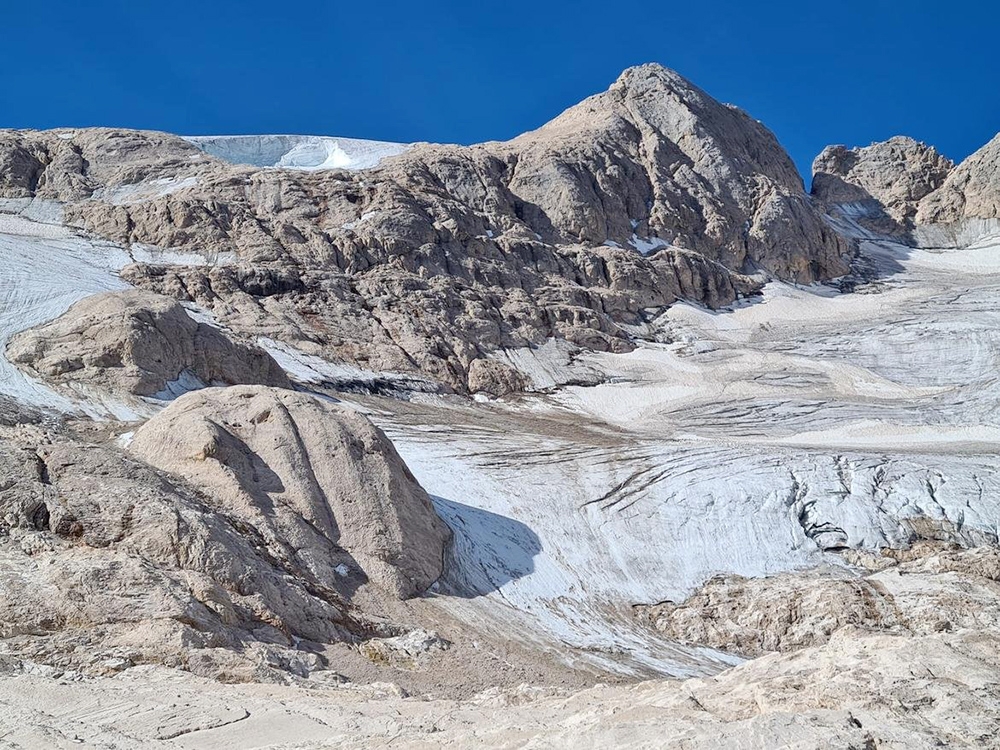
{"points": [[895, 174], [322, 486], [926, 589], [139, 343], [407, 651], [439, 256], [494, 378]]}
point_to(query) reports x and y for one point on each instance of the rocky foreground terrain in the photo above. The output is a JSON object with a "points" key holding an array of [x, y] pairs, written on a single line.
{"points": [[609, 435]]}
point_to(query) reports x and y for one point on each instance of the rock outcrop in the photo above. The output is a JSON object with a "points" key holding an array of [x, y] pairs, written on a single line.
{"points": [[649, 192], [971, 190], [323, 487], [106, 562], [139, 343], [924, 196]]}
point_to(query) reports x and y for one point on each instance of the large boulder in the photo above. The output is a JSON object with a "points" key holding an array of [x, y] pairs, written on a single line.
{"points": [[139, 343], [324, 487]]}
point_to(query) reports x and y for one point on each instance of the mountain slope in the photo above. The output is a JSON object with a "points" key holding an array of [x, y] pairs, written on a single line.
{"points": [[441, 255]]}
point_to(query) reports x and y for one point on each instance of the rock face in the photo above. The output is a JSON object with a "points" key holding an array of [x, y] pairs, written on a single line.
{"points": [[139, 343], [323, 487], [897, 174], [923, 193], [971, 191], [437, 257]]}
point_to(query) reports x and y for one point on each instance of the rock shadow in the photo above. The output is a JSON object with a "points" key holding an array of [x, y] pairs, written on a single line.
{"points": [[488, 550]]}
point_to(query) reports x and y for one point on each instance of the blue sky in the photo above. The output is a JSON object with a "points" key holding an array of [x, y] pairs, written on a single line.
{"points": [[815, 73]]}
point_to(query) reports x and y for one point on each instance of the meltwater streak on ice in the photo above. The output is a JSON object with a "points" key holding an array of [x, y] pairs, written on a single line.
{"points": [[44, 269]]}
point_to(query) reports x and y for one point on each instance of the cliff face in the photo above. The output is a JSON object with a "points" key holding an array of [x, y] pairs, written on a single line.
{"points": [[897, 173], [438, 255]]}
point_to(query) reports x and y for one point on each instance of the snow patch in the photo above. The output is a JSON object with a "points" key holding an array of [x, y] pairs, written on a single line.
{"points": [[309, 369], [647, 245], [124, 195], [142, 253]]}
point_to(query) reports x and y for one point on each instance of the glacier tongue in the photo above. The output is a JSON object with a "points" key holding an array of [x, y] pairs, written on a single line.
{"points": [[303, 152]]}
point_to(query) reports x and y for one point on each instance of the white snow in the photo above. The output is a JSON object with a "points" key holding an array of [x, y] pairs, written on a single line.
{"points": [[44, 269], [647, 245], [300, 152], [141, 253], [186, 382]]}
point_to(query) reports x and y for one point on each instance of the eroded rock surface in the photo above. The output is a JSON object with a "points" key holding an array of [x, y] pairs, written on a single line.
{"points": [[860, 690], [323, 486]]}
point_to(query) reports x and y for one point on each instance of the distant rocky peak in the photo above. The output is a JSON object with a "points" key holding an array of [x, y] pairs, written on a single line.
{"points": [[897, 173]]}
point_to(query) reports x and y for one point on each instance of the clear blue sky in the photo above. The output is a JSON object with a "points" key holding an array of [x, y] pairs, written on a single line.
{"points": [[465, 71]]}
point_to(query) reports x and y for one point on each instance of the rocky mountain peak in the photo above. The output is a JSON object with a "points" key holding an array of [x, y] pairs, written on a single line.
{"points": [[897, 173], [971, 190], [645, 193]]}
